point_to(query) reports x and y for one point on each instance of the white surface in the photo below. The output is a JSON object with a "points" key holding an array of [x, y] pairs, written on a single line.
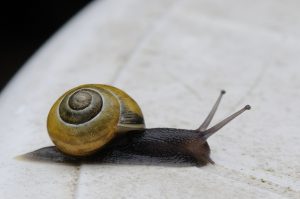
{"points": [[173, 57]]}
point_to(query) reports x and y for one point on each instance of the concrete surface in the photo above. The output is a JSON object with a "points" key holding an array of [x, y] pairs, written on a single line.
{"points": [[173, 57]]}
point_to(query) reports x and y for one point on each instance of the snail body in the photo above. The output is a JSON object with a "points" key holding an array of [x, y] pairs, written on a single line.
{"points": [[162, 145], [100, 120]]}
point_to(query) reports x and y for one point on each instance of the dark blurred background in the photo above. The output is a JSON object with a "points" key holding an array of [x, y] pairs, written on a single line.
{"points": [[25, 26]]}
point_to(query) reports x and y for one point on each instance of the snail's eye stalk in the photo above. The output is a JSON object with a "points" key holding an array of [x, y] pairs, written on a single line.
{"points": [[207, 133], [210, 116]]}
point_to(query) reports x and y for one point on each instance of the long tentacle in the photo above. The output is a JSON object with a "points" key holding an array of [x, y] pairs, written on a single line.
{"points": [[211, 114]]}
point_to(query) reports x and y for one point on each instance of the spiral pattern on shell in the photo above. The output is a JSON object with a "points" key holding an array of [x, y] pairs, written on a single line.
{"points": [[87, 117], [80, 107]]}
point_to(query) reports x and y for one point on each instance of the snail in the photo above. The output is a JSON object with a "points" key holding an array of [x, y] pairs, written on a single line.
{"points": [[101, 120]]}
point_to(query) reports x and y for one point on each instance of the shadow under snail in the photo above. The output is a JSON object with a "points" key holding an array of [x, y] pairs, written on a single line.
{"points": [[101, 123]]}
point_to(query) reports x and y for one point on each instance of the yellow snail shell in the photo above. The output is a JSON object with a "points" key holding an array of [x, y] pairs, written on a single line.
{"points": [[87, 117]]}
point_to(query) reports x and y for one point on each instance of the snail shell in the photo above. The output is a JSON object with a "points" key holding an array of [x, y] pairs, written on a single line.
{"points": [[87, 117]]}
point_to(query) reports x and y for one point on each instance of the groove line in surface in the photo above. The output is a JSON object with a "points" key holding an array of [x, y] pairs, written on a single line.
{"points": [[140, 44], [160, 21], [257, 81]]}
